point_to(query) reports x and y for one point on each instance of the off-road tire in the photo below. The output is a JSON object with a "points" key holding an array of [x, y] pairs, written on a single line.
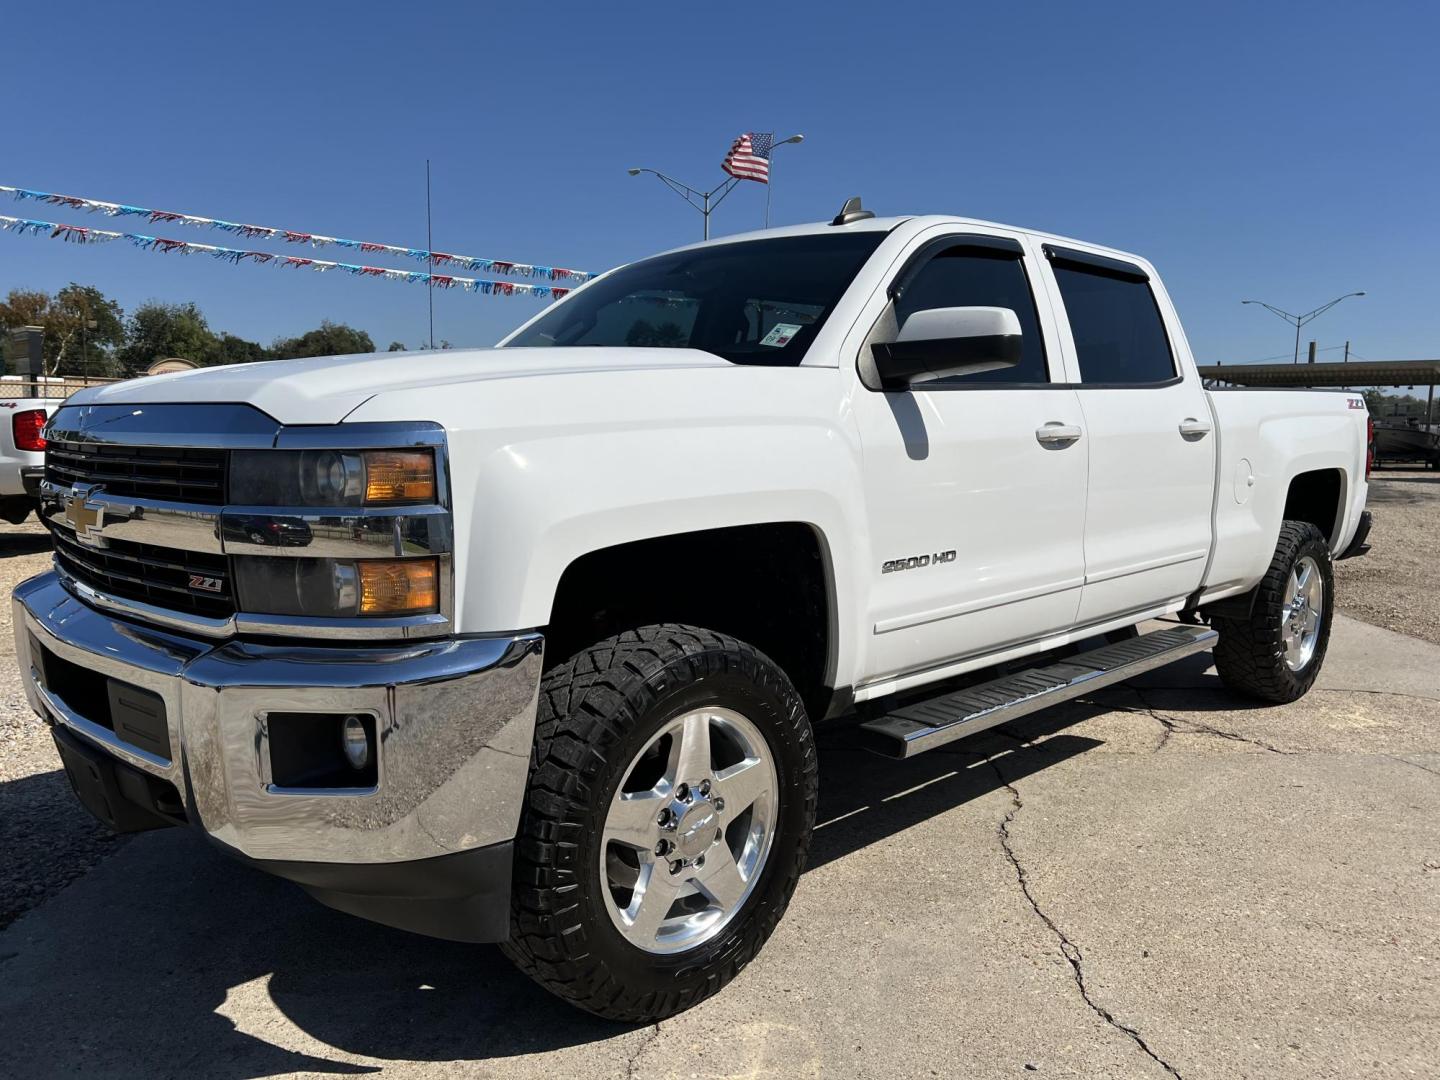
{"points": [[1249, 654], [597, 710]]}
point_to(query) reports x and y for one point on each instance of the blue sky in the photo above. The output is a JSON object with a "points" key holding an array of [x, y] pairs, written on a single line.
{"points": [[1287, 152]]}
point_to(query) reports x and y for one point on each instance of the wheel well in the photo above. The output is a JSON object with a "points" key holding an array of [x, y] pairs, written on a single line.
{"points": [[1315, 497], [764, 584]]}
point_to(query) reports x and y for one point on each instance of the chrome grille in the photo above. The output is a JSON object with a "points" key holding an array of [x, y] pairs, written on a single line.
{"points": [[151, 575], [143, 472]]}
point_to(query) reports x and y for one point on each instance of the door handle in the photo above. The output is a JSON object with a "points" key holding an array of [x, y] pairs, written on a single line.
{"points": [[1190, 428], [1054, 433]]}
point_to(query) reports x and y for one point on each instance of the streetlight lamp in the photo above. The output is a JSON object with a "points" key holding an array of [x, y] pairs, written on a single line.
{"points": [[1301, 320], [770, 180], [689, 194]]}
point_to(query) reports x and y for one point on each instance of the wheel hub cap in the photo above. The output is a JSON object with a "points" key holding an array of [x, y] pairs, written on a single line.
{"points": [[688, 830], [697, 830], [1302, 613]]}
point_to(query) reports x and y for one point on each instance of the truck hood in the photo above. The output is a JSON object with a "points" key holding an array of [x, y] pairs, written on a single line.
{"points": [[324, 390]]}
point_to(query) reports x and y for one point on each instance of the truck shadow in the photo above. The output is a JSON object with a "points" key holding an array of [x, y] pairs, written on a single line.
{"points": [[171, 956], [23, 543]]}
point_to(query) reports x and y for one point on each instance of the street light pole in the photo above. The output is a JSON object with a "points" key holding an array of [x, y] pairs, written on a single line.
{"points": [[1301, 320], [770, 179], [708, 199]]}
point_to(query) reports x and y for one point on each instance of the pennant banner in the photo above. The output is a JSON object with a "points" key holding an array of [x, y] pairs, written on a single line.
{"points": [[265, 232], [77, 234]]}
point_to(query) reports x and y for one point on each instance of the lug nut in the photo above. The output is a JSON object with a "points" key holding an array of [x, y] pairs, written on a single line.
{"points": [[676, 866], [719, 805], [699, 861], [662, 847], [704, 787], [665, 819], [719, 835], [683, 792]]}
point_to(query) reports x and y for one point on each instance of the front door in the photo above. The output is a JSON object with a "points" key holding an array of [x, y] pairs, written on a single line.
{"points": [[975, 508]]}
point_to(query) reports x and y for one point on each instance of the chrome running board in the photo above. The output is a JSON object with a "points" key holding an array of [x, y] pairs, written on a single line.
{"points": [[923, 725]]}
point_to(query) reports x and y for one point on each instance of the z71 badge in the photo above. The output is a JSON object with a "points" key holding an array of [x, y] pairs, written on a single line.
{"points": [[206, 584], [915, 562]]}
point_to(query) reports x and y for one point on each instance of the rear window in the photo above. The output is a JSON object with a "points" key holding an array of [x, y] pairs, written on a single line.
{"points": [[1119, 336], [752, 302]]}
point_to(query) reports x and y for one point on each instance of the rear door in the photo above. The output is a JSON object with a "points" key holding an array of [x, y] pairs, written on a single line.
{"points": [[1152, 443]]}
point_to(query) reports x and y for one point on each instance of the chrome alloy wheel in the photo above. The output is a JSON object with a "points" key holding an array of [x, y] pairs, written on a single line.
{"points": [[687, 833], [1302, 613]]}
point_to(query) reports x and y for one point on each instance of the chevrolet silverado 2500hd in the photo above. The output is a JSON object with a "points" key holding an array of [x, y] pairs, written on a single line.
{"points": [[526, 644]]}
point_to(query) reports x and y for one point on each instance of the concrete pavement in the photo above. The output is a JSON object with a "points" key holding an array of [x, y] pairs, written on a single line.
{"points": [[1160, 882]]}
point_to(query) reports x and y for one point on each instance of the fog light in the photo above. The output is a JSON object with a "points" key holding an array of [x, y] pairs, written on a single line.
{"points": [[356, 741]]}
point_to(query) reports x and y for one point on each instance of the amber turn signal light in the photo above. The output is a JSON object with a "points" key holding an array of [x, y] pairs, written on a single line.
{"points": [[399, 586], [399, 476]]}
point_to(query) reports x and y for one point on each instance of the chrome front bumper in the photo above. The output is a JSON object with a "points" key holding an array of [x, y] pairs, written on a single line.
{"points": [[454, 719]]}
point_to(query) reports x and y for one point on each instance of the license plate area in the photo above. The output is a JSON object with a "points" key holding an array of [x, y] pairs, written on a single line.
{"points": [[137, 716]]}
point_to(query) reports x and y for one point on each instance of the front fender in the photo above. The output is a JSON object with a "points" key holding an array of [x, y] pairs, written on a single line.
{"points": [[622, 457]]}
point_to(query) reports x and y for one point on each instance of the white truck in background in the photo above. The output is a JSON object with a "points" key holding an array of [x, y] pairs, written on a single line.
{"points": [[527, 644], [22, 454]]}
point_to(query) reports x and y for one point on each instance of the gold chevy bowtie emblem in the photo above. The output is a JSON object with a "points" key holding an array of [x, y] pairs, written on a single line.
{"points": [[87, 520]]}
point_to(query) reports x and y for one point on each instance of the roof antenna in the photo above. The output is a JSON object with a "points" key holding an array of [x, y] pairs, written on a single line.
{"points": [[852, 211]]}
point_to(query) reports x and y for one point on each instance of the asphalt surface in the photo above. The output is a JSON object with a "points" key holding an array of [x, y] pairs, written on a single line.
{"points": [[1163, 882]]}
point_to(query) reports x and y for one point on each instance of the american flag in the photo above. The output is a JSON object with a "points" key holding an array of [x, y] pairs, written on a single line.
{"points": [[749, 158]]}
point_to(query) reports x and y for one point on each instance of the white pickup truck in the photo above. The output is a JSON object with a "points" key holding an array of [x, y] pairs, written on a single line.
{"points": [[526, 644], [22, 454]]}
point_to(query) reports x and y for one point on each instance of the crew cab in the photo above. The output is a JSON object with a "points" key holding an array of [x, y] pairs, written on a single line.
{"points": [[528, 644], [22, 455]]}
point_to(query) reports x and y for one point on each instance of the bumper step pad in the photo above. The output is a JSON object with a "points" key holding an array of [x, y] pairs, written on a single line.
{"points": [[918, 726]]}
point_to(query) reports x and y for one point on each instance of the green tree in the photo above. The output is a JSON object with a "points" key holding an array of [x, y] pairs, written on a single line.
{"points": [[83, 327], [24, 307], [396, 346], [156, 330], [331, 339], [232, 349]]}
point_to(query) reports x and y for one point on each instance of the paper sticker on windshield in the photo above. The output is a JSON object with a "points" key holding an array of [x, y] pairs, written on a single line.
{"points": [[780, 334]]}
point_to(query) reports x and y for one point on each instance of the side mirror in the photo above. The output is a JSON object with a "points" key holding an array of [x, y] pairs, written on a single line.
{"points": [[941, 342]]}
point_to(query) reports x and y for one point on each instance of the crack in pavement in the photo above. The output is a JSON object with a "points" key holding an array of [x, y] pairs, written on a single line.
{"points": [[1413, 764], [632, 1061], [1172, 724], [1068, 948]]}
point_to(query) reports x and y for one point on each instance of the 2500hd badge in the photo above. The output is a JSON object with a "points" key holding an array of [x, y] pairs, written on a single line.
{"points": [[915, 562]]}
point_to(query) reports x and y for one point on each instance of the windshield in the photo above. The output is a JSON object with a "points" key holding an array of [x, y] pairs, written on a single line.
{"points": [[752, 302]]}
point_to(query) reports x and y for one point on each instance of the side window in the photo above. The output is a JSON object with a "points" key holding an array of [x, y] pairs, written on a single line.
{"points": [[1119, 335], [979, 277]]}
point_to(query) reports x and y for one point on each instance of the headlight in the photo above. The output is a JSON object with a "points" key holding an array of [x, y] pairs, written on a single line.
{"points": [[306, 478], [266, 585]]}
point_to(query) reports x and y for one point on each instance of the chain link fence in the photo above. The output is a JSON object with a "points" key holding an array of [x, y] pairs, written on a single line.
{"points": [[46, 386]]}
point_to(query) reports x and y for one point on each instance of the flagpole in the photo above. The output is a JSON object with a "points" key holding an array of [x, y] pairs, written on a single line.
{"points": [[770, 178]]}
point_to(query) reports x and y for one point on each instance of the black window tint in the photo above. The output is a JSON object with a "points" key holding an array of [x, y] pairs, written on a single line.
{"points": [[1119, 336], [975, 277]]}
